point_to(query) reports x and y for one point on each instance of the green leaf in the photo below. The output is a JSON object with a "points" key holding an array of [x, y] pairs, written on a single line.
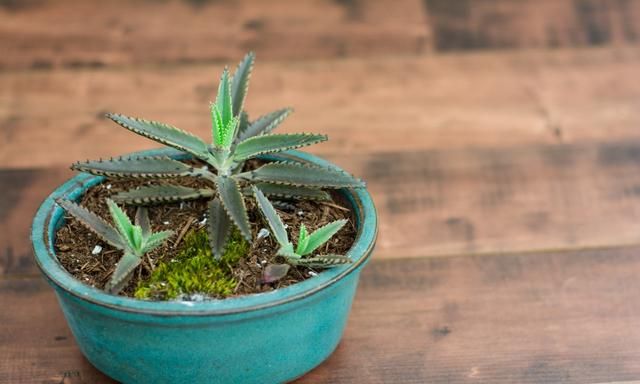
{"points": [[288, 252], [295, 174], [292, 192], [224, 122], [321, 236], [240, 82], [123, 223], [218, 227], [93, 222], [274, 143], [155, 194], [265, 124], [243, 123], [142, 220], [136, 235], [229, 193], [303, 240], [323, 261], [154, 240], [122, 274], [137, 167], [224, 131], [273, 219], [164, 133]]}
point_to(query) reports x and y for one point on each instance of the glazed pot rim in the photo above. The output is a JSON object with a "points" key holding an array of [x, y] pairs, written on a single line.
{"points": [[49, 214]]}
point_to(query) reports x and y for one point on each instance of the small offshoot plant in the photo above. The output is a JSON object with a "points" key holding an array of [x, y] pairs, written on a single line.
{"points": [[134, 240], [306, 245], [235, 139]]}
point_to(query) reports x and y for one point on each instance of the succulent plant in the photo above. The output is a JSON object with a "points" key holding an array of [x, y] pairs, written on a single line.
{"points": [[234, 140], [134, 240], [306, 245]]}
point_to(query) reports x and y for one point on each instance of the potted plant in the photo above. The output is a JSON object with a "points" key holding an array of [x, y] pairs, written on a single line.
{"points": [[205, 285]]}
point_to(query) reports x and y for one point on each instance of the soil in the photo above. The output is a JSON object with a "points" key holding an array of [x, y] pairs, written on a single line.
{"points": [[74, 243]]}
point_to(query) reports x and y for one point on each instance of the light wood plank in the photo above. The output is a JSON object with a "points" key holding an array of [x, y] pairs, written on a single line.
{"points": [[479, 100], [94, 33]]}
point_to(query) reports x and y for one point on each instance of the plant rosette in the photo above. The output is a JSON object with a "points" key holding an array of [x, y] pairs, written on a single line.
{"points": [[268, 337]]}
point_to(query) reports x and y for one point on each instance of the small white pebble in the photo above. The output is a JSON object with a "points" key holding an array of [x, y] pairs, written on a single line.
{"points": [[300, 213], [263, 262], [108, 186], [203, 221], [165, 222], [311, 273], [264, 232], [259, 265], [197, 297], [286, 226], [97, 249]]}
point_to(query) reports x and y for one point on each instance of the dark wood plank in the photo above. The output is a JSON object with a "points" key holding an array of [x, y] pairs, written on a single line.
{"points": [[568, 317], [445, 202], [507, 24], [92, 34], [95, 34], [536, 318], [399, 104], [21, 192]]}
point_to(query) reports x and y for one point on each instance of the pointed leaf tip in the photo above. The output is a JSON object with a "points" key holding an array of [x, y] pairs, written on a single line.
{"points": [[93, 222], [271, 216], [240, 83]]}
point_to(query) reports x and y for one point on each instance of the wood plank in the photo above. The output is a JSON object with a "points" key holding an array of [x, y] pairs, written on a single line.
{"points": [[567, 317], [507, 24], [98, 33], [387, 105], [435, 203], [21, 193], [53, 34]]}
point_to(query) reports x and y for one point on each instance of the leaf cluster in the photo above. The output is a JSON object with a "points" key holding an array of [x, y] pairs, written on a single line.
{"points": [[135, 240], [235, 139], [307, 242]]}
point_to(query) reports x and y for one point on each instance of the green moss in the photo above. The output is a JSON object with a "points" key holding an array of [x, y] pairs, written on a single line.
{"points": [[194, 270]]}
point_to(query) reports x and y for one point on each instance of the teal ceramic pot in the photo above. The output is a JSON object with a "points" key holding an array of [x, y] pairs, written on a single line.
{"points": [[263, 338]]}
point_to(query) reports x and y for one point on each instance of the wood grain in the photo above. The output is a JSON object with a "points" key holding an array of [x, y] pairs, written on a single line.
{"points": [[506, 24], [387, 105], [567, 317], [45, 34], [42, 35], [443, 202]]}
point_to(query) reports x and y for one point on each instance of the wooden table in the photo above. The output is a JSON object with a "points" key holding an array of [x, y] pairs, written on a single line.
{"points": [[500, 140]]}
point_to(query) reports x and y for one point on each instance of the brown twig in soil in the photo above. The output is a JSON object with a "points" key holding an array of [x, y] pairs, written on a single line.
{"points": [[336, 206], [183, 232], [150, 263]]}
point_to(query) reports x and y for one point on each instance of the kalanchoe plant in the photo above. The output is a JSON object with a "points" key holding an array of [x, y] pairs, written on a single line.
{"points": [[234, 140], [134, 240], [306, 245]]}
